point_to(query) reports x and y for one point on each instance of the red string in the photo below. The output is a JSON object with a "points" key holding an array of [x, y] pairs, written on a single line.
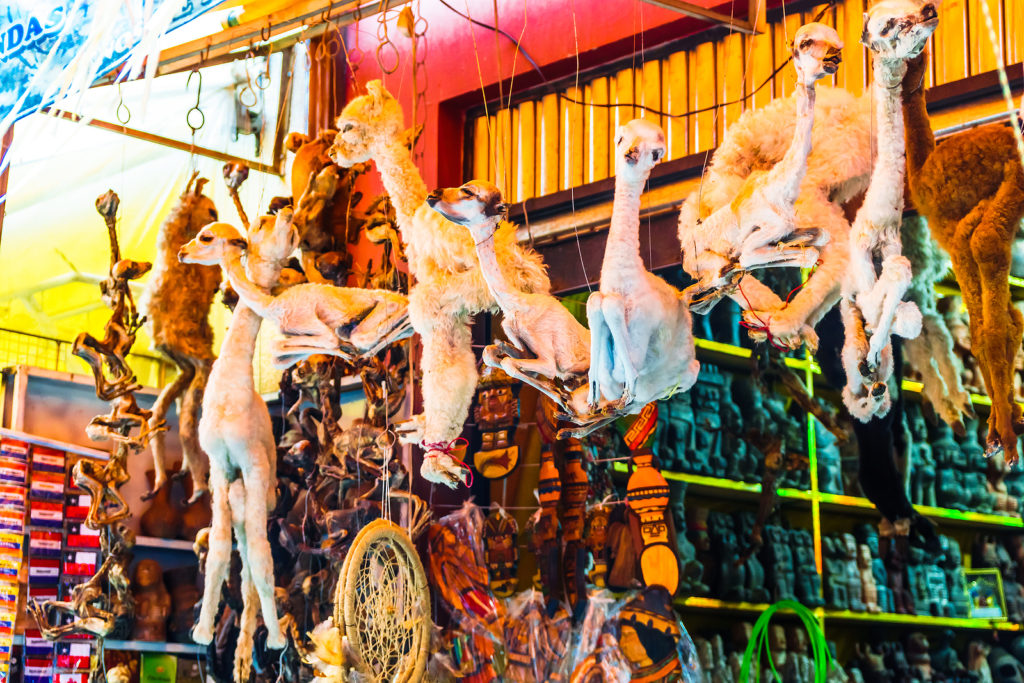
{"points": [[763, 327], [447, 449]]}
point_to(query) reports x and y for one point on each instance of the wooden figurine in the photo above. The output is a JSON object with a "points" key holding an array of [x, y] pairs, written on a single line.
{"points": [[647, 494], [869, 589], [546, 530], [575, 487], [501, 552], [152, 602], [597, 543], [496, 413]]}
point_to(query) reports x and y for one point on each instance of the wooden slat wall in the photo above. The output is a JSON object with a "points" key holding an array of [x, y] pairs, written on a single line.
{"points": [[552, 144]]}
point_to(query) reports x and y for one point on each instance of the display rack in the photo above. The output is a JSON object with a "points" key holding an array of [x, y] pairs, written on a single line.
{"points": [[818, 503]]}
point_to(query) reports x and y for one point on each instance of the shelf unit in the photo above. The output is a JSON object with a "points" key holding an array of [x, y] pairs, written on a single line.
{"points": [[138, 646], [750, 609], [818, 503], [163, 544]]}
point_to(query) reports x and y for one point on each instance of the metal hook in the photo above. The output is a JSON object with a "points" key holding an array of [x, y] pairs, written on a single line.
{"points": [[325, 16], [124, 118], [199, 93], [265, 32], [247, 88], [205, 53]]}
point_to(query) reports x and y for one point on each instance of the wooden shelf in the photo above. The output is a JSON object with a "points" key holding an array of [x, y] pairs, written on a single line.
{"points": [[135, 645], [697, 483], [857, 619], [919, 621], [54, 444], [164, 544], [840, 503]]}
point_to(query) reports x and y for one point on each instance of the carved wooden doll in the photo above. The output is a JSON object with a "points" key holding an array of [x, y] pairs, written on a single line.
{"points": [[496, 414], [501, 552], [597, 543], [648, 494], [575, 487]]}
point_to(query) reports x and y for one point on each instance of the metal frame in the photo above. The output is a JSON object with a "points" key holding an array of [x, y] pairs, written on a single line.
{"points": [[750, 26]]}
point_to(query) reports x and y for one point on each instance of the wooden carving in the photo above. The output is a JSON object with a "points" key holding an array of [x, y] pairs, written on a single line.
{"points": [[501, 533], [496, 414], [647, 494]]}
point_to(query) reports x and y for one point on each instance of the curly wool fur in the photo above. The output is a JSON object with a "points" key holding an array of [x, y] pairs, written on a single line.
{"points": [[931, 353], [838, 169], [237, 433], [970, 188], [449, 288], [876, 299], [176, 304], [315, 318]]}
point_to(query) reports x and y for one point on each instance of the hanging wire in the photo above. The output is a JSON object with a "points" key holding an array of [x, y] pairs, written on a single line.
{"points": [[385, 45], [1004, 82], [123, 114], [251, 99]]}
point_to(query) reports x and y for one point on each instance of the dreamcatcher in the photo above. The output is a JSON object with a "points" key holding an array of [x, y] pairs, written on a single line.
{"points": [[382, 605]]}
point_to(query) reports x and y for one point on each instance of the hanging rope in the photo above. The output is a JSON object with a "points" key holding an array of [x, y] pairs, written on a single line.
{"points": [[1004, 82], [759, 643]]}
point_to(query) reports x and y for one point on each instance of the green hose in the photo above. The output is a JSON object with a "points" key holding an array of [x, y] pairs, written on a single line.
{"points": [[759, 642]]}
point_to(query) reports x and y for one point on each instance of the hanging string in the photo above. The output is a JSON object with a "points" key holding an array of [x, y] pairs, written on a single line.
{"points": [[483, 94], [1004, 82], [194, 117], [572, 189]]}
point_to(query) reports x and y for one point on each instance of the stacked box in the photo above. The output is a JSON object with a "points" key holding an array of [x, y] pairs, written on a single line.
{"points": [[45, 542], [13, 485]]}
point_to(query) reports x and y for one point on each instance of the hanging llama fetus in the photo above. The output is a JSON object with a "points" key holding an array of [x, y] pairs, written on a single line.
{"points": [[449, 287], [315, 318], [548, 348], [872, 304], [759, 228], [642, 347], [177, 302], [970, 189], [816, 144]]}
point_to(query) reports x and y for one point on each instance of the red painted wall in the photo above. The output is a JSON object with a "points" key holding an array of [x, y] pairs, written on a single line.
{"points": [[555, 31]]}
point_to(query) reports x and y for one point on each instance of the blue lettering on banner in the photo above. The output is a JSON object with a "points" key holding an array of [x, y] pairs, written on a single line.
{"points": [[40, 38]]}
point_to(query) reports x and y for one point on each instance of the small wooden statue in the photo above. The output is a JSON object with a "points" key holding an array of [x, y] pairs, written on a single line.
{"points": [[152, 602], [648, 494], [497, 414], [575, 487], [597, 543], [501, 552], [545, 537], [869, 589]]}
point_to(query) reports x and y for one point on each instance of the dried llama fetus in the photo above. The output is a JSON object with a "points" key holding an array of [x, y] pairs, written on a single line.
{"points": [[177, 304], [449, 288]]}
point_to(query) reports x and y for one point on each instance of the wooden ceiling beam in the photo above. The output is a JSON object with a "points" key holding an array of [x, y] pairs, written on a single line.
{"points": [[309, 18], [697, 12]]}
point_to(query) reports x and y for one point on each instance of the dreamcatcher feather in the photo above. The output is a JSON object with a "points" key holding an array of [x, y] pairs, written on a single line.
{"points": [[382, 606]]}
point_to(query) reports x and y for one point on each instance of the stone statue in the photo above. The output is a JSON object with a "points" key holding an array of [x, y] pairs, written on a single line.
{"points": [[869, 589], [777, 647], [808, 581], [675, 443], [732, 584], [953, 568], [949, 461], [152, 602], [830, 466], [799, 665], [853, 578], [836, 595], [777, 557], [691, 571], [707, 394], [922, 477], [944, 658], [867, 535], [742, 461], [756, 589]]}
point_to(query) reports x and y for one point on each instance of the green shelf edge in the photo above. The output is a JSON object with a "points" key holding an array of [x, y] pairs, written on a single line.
{"points": [[833, 499]]}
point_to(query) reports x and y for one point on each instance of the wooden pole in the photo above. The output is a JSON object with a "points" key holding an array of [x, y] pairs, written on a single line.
{"points": [[4, 147]]}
